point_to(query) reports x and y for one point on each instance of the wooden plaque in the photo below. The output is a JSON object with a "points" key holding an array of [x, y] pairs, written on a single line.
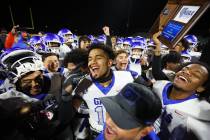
{"points": [[177, 18]]}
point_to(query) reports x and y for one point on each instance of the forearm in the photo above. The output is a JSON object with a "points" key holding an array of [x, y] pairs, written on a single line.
{"points": [[156, 69], [108, 41]]}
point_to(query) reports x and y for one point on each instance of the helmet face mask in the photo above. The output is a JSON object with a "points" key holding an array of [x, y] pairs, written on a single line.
{"points": [[185, 59], [20, 62], [66, 35], [137, 49], [164, 51], [192, 46], [68, 38], [126, 47], [22, 67], [136, 53], [38, 45], [34, 40], [9, 57], [54, 50], [127, 42], [192, 41], [52, 42], [119, 44]]}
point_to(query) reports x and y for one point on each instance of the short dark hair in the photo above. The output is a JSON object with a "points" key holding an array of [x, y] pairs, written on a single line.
{"points": [[120, 52], [171, 57], [45, 55], [83, 38], [76, 56], [108, 50]]}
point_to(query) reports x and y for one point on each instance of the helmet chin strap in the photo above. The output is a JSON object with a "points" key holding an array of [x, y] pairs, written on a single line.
{"points": [[103, 79]]}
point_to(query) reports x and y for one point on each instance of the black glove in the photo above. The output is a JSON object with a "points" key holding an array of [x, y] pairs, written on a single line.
{"points": [[50, 103], [39, 118], [70, 84]]}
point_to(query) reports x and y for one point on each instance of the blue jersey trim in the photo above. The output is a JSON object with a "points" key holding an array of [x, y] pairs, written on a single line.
{"points": [[1, 82], [61, 70], [134, 61], [151, 136], [101, 135], [45, 70], [133, 73], [105, 90], [167, 101]]}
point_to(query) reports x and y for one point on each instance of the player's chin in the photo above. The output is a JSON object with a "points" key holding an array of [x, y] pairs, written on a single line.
{"points": [[35, 91], [123, 67], [95, 75]]}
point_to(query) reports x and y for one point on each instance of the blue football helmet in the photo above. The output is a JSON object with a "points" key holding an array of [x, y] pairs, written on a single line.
{"points": [[91, 37], [75, 41], [137, 49], [192, 40], [185, 57], [66, 36], [52, 42], [139, 39], [37, 45], [119, 44], [164, 49], [151, 43], [35, 42], [127, 42], [102, 39], [138, 45]]}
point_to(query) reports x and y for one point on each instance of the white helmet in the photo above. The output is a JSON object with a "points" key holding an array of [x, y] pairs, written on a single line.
{"points": [[18, 62]]}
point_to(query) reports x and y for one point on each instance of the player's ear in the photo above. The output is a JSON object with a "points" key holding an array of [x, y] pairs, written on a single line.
{"points": [[143, 132], [110, 62], [200, 89]]}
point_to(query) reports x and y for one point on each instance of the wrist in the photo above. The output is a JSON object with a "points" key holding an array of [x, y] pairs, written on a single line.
{"points": [[157, 52]]}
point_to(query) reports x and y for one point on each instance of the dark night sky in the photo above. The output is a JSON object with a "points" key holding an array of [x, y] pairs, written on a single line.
{"points": [[125, 17]]}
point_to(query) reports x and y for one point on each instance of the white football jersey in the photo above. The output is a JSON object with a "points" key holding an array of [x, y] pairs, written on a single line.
{"points": [[136, 68], [63, 50], [6, 85], [179, 117], [91, 96]]}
